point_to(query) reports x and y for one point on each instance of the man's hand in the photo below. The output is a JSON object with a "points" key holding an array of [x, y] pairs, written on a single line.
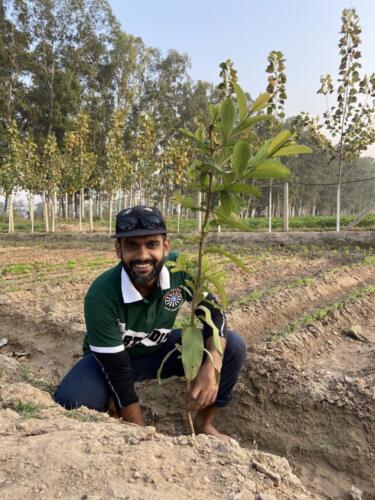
{"points": [[204, 388], [132, 413]]}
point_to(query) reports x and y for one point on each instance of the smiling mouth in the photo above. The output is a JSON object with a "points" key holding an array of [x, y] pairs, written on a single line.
{"points": [[143, 267]]}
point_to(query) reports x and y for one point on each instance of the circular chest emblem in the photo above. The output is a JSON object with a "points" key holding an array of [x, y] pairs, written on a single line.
{"points": [[173, 299]]}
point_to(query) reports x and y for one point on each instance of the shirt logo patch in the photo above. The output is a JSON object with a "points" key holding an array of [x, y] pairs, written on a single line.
{"points": [[173, 299]]}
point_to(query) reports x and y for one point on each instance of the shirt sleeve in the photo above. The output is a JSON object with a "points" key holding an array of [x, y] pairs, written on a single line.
{"points": [[107, 347], [217, 316]]}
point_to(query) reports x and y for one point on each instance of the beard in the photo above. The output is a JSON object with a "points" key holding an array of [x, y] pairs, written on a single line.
{"points": [[144, 279]]}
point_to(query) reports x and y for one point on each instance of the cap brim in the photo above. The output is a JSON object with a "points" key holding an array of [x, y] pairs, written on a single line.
{"points": [[139, 232]]}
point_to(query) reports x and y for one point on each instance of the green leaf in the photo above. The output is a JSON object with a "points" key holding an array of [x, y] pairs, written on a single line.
{"points": [[293, 149], [279, 140], [246, 189], [260, 102], [227, 112], [199, 134], [232, 221], [192, 351], [187, 133], [241, 100], [261, 154], [240, 157], [226, 202], [224, 253], [186, 201], [269, 169], [215, 331], [214, 112]]}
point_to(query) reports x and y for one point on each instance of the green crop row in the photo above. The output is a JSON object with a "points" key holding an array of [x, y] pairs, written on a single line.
{"points": [[319, 314]]}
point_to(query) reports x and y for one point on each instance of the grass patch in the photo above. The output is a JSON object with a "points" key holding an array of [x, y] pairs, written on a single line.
{"points": [[83, 417], [319, 314], [256, 295], [27, 410]]}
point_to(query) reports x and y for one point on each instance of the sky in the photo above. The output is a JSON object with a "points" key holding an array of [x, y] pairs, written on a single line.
{"points": [[210, 31]]}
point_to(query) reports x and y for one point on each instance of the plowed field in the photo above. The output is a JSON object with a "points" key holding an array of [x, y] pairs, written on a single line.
{"points": [[307, 313]]}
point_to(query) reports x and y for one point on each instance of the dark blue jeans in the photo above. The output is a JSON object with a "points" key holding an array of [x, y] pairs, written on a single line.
{"points": [[86, 385]]}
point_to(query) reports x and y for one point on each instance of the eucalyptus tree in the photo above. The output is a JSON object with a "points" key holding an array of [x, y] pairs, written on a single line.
{"points": [[51, 174], [277, 90], [77, 147], [31, 178], [143, 155], [175, 158], [117, 163], [11, 167], [14, 57], [351, 121]]}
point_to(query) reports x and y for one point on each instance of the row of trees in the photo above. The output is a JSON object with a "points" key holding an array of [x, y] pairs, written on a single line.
{"points": [[87, 108], [89, 114]]}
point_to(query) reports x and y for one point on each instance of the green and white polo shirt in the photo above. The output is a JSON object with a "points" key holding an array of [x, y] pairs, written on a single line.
{"points": [[118, 317]]}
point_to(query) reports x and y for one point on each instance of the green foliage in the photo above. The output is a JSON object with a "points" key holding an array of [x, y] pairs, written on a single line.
{"points": [[192, 351], [351, 120], [224, 160], [27, 410], [309, 319], [83, 417]]}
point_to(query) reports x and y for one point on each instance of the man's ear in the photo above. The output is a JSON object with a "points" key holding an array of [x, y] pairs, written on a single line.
{"points": [[118, 249], [167, 245]]}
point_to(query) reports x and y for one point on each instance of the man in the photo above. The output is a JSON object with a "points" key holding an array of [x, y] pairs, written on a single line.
{"points": [[129, 312]]}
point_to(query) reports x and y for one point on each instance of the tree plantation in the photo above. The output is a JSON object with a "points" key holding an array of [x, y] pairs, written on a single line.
{"points": [[90, 121]]}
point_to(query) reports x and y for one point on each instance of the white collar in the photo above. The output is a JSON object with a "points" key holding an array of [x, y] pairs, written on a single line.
{"points": [[131, 294]]}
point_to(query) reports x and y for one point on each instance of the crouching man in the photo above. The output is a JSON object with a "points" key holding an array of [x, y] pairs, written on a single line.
{"points": [[129, 312]]}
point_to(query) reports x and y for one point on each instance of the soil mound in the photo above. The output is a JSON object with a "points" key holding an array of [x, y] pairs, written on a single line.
{"points": [[48, 452]]}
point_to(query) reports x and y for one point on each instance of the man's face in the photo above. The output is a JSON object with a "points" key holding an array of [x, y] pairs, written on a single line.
{"points": [[142, 257]]}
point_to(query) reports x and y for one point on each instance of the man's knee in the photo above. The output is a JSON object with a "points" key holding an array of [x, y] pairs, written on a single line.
{"points": [[84, 385], [236, 347]]}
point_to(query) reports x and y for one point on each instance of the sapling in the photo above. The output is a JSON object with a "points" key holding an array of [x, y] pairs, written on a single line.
{"points": [[224, 159]]}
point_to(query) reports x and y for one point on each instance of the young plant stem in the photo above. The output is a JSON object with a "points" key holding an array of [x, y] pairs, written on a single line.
{"points": [[188, 414], [202, 237]]}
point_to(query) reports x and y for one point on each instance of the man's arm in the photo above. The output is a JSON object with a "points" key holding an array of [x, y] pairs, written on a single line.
{"points": [[107, 348]]}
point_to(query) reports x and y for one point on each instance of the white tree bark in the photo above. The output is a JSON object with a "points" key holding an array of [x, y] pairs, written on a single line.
{"points": [[32, 210], [286, 206]]}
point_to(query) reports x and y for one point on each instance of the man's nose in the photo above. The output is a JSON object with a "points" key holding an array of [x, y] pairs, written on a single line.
{"points": [[143, 252]]}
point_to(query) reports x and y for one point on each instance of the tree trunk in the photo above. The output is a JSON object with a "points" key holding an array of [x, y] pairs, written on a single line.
{"points": [[286, 206], [81, 207], [52, 207], [32, 209], [338, 198], [91, 218], [11, 213], [199, 213], [110, 196], [100, 205], [270, 209], [6, 203], [66, 206], [45, 213], [178, 217]]}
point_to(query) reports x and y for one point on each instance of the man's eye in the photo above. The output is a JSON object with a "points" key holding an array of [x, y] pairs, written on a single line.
{"points": [[153, 244], [130, 246]]}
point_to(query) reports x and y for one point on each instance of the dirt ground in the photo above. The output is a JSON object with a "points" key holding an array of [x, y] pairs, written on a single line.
{"points": [[307, 392]]}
